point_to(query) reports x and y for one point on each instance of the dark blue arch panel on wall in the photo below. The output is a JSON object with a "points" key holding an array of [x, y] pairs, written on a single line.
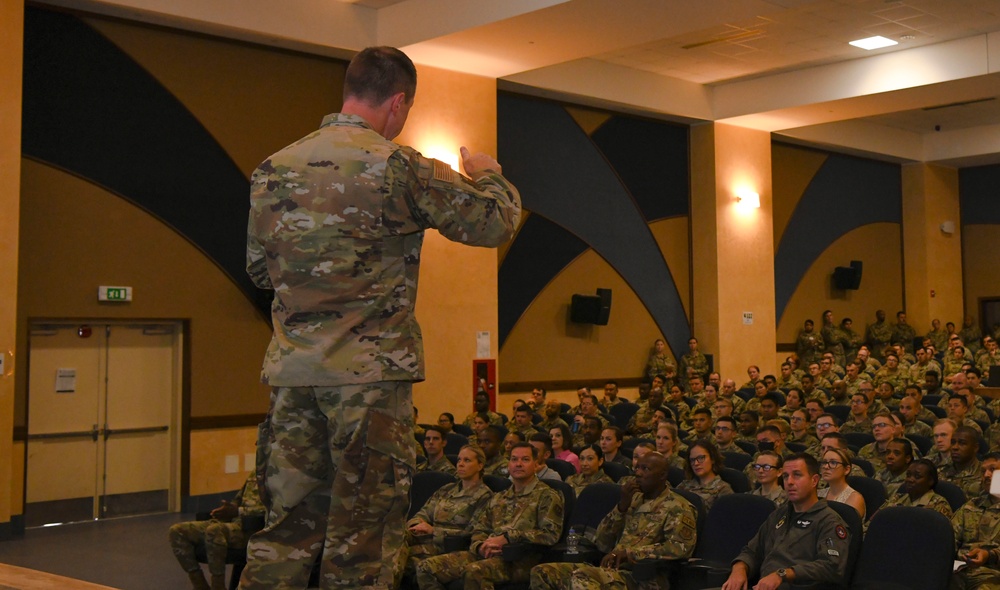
{"points": [[979, 196], [845, 194], [565, 178], [91, 110], [651, 159]]}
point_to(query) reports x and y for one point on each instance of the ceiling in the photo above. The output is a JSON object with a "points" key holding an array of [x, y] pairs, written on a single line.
{"points": [[782, 66]]}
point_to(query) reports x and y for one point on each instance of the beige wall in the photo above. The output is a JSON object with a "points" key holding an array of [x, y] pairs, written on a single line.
{"points": [[738, 256], [11, 57], [209, 449], [457, 295], [980, 266], [932, 259]]}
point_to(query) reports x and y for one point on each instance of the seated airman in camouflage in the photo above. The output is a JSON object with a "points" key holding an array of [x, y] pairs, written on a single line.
{"points": [[434, 441], [977, 528], [650, 522], [217, 536], [527, 512]]}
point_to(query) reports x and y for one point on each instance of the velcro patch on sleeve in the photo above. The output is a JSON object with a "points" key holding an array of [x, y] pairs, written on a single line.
{"points": [[443, 172]]}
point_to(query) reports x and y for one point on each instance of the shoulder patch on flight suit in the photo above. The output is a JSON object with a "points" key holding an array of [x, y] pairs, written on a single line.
{"points": [[443, 172], [841, 531]]}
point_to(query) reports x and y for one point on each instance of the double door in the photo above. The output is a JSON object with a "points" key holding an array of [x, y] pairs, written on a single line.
{"points": [[102, 408]]}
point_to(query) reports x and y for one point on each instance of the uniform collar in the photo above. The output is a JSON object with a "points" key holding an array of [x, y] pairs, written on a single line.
{"points": [[342, 119]]}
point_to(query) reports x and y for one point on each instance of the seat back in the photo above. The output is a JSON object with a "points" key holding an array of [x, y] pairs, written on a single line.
{"points": [[569, 502], [462, 429], [865, 466], [872, 490], [852, 519], [747, 446], [699, 506], [841, 412], [733, 520], [425, 483], [454, 443], [736, 479], [737, 461], [622, 413], [858, 439], [935, 409], [923, 443], [905, 548], [675, 475], [593, 504], [616, 471], [496, 483], [563, 468], [951, 492]]}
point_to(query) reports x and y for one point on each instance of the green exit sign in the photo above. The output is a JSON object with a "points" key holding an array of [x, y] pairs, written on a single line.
{"points": [[114, 293]]}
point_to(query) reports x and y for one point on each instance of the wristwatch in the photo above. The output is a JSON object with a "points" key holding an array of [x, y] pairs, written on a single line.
{"points": [[782, 573]]}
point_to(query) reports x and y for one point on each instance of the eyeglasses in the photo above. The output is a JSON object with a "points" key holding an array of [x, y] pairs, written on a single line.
{"points": [[698, 460], [823, 425], [722, 429], [881, 425], [831, 464], [764, 468], [797, 419]]}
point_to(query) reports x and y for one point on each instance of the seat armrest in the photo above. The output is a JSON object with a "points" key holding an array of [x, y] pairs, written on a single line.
{"points": [[647, 569], [517, 551], [459, 542]]}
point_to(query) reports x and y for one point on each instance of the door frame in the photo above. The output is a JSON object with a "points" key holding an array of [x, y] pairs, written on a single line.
{"points": [[180, 403]]}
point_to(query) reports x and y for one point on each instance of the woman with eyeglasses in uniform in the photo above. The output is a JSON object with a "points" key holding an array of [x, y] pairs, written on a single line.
{"points": [[767, 467]]}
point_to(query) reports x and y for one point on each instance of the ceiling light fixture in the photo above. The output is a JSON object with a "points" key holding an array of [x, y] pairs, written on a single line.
{"points": [[877, 42]]}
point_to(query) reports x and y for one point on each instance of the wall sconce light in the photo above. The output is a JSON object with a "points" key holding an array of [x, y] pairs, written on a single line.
{"points": [[747, 199], [948, 228]]}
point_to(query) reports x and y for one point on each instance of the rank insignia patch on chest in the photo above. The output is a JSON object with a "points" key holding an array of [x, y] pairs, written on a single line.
{"points": [[841, 531]]}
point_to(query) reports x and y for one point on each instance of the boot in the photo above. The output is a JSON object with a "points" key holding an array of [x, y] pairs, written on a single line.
{"points": [[218, 582], [198, 581]]}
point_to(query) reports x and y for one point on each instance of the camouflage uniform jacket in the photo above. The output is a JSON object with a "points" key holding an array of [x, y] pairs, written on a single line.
{"points": [[664, 527], [897, 377], [878, 335], [809, 346], [443, 464], [336, 225], [969, 479], [533, 515], [495, 419], [836, 341], [547, 425], [814, 543], [889, 481], [496, 466], [708, 492], [732, 447], [657, 365], [920, 428], [977, 526], [874, 455], [777, 495], [939, 338], [930, 500], [450, 510], [938, 458], [580, 481], [696, 361], [853, 425], [248, 498], [903, 334], [641, 422], [970, 337]]}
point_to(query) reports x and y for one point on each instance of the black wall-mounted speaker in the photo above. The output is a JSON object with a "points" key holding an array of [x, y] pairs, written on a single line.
{"points": [[848, 277], [591, 309]]}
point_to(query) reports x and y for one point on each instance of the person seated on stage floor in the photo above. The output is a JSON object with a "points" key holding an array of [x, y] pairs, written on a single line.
{"points": [[650, 522], [449, 511], [964, 469], [977, 528], [704, 465], [217, 535], [767, 467], [561, 437], [591, 469], [804, 542], [611, 444], [527, 512], [434, 440]]}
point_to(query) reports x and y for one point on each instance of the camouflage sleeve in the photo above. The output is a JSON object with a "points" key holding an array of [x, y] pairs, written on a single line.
{"points": [[610, 529], [549, 518], [482, 525], [256, 264], [248, 498], [678, 531], [426, 512], [481, 212]]}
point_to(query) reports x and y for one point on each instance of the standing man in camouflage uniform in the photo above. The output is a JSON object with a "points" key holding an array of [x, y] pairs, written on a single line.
{"points": [[879, 335], [809, 344], [650, 522], [695, 360], [527, 512], [217, 536], [903, 333], [336, 226]]}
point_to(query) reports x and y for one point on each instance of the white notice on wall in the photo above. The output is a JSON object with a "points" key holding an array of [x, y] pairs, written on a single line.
{"points": [[65, 380], [747, 318], [482, 345]]}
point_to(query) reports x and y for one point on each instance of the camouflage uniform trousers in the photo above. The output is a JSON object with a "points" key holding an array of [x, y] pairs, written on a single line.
{"points": [[576, 576], [337, 467], [435, 573], [975, 578], [216, 536]]}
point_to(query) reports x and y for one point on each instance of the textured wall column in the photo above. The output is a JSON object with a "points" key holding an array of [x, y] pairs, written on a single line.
{"points": [[932, 259], [732, 247], [11, 58]]}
